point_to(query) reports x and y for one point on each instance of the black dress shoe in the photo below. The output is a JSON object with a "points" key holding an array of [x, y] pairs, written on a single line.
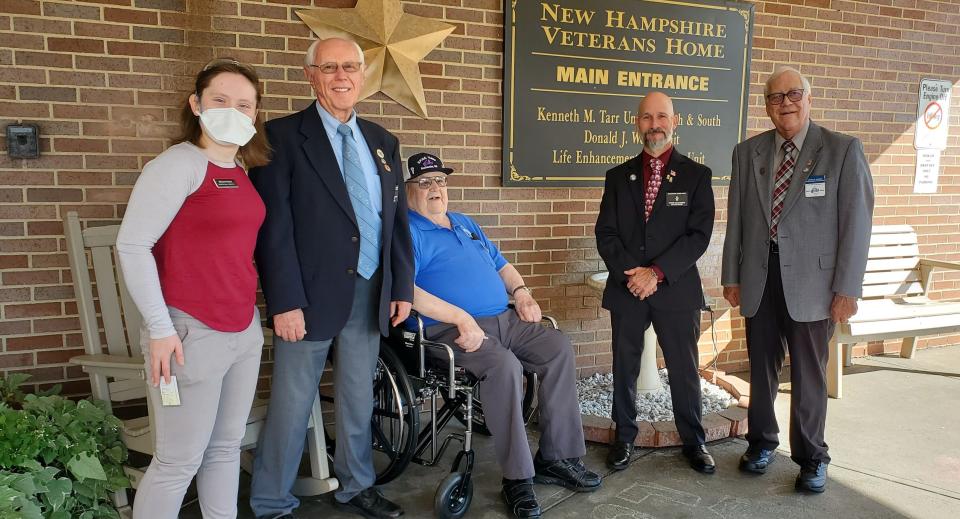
{"points": [[371, 503], [756, 459], [520, 499], [569, 473], [699, 458], [812, 477], [619, 456]]}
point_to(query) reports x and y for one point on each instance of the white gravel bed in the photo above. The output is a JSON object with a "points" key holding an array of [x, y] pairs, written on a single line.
{"points": [[596, 398]]}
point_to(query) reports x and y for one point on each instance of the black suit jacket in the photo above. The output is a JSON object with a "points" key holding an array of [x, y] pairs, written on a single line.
{"points": [[676, 235], [309, 244]]}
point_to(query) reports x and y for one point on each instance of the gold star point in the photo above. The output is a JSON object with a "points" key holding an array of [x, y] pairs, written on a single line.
{"points": [[393, 44]]}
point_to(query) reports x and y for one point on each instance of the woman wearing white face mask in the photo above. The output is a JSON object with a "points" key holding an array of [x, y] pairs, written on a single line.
{"points": [[186, 248]]}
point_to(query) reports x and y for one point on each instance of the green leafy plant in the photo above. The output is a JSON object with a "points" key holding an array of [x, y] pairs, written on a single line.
{"points": [[10, 393], [59, 459]]}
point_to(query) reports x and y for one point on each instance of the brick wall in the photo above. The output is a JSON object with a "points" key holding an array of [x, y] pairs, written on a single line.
{"points": [[103, 80]]}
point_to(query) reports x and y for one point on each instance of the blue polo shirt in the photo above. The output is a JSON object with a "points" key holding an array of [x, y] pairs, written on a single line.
{"points": [[459, 265]]}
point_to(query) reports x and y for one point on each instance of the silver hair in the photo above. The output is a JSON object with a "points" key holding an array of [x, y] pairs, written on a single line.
{"points": [[312, 50], [781, 70]]}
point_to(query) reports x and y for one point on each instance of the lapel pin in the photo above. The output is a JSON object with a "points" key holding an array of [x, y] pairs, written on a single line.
{"points": [[386, 167], [380, 153], [633, 177]]}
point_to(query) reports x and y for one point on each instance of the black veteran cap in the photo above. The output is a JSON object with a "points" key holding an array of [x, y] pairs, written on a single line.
{"points": [[425, 163]]}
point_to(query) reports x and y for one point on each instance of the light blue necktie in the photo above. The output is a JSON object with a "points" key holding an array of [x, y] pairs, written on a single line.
{"points": [[368, 219]]}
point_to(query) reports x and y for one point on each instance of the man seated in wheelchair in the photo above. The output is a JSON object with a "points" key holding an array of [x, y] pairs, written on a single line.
{"points": [[461, 289]]}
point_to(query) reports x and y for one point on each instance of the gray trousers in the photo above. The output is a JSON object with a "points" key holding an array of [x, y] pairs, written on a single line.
{"points": [[512, 346], [201, 436], [297, 368]]}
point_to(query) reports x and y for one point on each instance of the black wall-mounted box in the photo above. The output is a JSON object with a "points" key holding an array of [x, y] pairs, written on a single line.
{"points": [[23, 141]]}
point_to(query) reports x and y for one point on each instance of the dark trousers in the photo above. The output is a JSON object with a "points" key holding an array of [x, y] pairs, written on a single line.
{"points": [[770, 334], [677, 333]]}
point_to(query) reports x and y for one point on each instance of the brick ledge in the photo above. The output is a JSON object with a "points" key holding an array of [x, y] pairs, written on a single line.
{"points": [[724, 424]]}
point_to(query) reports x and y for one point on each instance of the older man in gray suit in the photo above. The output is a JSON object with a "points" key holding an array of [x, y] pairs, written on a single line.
{"points": [[798, 230]]}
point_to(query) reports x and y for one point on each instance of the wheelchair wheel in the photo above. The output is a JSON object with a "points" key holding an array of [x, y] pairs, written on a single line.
{"points": [[396, 418], [395, 423], [453, 496], [527, 407]]}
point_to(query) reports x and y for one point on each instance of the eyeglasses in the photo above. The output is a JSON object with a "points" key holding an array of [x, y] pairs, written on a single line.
{"points": [[424, 183], [331, 68], [793, 95]]}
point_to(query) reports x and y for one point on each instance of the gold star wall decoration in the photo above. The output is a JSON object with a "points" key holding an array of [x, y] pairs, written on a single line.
{"points": [[393, 44]]}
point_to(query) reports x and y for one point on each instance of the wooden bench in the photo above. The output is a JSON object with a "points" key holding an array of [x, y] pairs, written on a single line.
{"points": [[895, 302], [119, 375]]}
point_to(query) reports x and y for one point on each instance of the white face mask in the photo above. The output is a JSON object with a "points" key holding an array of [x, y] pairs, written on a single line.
{"points": [[227, 126]]}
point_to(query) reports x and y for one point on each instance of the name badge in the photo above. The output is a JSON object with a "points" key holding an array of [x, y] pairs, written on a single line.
{"points": [[225, 183], [169, 393], [677, 200], [815, 186]]}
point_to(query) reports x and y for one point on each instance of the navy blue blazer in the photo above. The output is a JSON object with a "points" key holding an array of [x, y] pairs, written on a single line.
{"points": [[674, 238], [309, 244]]}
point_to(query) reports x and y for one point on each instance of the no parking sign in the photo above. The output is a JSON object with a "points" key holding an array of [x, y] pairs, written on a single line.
{"points": [[933, 124], [933, 114]]}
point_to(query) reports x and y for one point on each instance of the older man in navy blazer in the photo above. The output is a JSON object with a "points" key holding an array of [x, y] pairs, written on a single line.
{"points": [[798, 233], [336, 267]]}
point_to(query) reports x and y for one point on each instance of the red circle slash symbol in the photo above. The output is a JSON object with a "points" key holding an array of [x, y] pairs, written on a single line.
{"points": [[933, 115]]}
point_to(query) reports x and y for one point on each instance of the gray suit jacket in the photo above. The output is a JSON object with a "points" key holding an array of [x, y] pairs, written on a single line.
{"points": [[823, 240]]}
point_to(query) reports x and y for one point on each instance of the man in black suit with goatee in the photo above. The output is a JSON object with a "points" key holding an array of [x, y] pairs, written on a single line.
{"points": [[655, 221]]}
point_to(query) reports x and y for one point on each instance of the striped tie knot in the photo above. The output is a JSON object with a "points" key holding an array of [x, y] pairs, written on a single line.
{"points": [[788, 147]]}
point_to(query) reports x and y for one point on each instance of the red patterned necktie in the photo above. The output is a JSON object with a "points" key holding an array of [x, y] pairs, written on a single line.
{"points": [[653, 187], [780, 185]]}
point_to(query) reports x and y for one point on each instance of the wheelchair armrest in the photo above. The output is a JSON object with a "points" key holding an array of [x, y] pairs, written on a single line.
{"points": [[545, 319], [422, 344], [451, 367], [550, 320]]}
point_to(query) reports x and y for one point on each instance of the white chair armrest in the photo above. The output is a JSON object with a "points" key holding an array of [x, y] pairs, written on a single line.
{"points": [[111, 365], [938, 264]]}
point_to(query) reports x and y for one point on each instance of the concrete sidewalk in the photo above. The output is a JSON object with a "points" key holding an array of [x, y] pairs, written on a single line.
{"points": [[894, 439]]}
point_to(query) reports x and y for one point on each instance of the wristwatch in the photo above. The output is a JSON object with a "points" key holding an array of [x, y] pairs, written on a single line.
{"points": [[514, 293]]}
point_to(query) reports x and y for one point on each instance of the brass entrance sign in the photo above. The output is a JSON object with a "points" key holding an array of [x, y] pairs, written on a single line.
{"points": [[575, 71]]}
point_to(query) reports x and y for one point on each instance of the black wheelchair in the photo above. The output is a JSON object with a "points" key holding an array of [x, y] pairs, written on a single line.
{"points": [[413, 374]]}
